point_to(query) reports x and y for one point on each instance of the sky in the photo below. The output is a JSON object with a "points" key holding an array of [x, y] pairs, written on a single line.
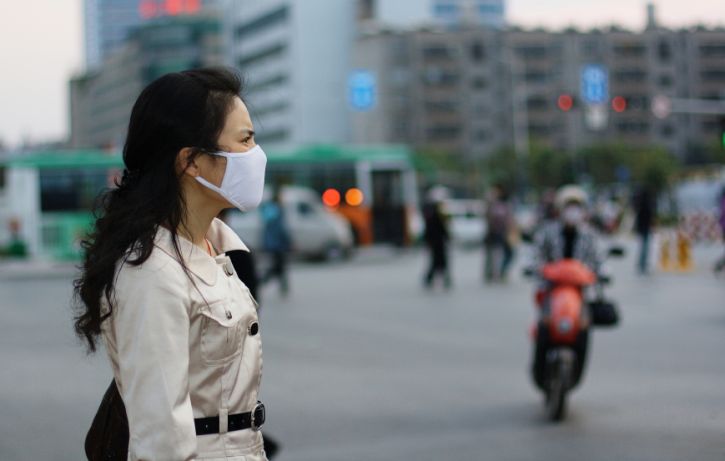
{"points": [[41, 47]]}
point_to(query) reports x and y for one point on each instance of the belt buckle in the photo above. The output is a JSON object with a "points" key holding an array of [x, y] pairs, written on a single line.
{"points": [[259, 414]]}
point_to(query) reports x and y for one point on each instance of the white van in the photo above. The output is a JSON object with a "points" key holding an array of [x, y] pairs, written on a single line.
{"points": [[315, 231]]}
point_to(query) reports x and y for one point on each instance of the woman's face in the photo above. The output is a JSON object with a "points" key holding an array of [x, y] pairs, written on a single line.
{"points": [[236, 136]]}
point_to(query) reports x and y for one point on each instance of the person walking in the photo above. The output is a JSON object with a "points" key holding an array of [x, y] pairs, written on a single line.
{"points": [[180, 328], [720, 265], [276, 241], [499, 231], [645, 209], [436, 238]]}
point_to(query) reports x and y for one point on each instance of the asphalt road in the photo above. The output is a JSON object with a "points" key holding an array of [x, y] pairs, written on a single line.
{"points": [[361, 363]]}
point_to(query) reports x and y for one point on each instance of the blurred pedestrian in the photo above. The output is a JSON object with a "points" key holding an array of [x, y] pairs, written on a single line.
{"points": [[16, 248], [547, 207], [720, 265], [157, 285], [500, 230], [436, 238], [645, 209], [570, 236], [276, 240]]}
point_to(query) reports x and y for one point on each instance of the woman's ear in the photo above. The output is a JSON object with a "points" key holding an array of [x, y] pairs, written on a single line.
{"points": [[185, 163]]}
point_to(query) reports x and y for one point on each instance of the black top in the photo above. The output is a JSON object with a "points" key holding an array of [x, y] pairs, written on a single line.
{"points": [[569, 234]]}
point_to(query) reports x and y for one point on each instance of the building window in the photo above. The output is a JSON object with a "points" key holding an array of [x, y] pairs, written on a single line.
{"points": [[266, 53], [637, 102], [714, 75], [446, 10], [490, 9], [665, 81], [630, 75], [537, 130], [443, 132], [279, 135], [629, 51], [535, 77], [710, 126], [664, 51], [537, 103], [441, 107], [263, 22], [714, 50], [591, 48], [532, 51], [479, 83], [270, 109], [667, 131], [481, 135], [365, 10], [477, 52], [267, 83], [437, 52], [434, 76]]}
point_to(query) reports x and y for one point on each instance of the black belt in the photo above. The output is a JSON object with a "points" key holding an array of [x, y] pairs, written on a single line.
{"points": [[250, 420]]}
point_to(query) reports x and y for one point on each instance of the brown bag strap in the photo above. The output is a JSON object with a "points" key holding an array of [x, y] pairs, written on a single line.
{"points": [[107, 439]]}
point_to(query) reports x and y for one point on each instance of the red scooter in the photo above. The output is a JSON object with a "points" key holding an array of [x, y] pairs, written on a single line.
{"points": [[561, 335]]}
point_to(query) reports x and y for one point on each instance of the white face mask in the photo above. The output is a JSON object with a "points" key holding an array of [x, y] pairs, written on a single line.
{"points": [[573, 215], [243, 182]]}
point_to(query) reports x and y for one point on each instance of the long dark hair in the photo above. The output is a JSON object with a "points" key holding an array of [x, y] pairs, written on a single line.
{"points": [[178, 110]]}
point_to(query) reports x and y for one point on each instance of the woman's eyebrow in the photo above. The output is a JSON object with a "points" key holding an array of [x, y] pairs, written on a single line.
{"points": [[247, 131]]}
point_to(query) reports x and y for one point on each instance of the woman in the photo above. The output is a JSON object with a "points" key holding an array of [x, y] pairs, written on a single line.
{"points": [[720, 264], [180, 328]]}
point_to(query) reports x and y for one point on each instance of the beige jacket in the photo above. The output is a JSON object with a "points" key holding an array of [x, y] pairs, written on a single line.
{"points": [[180, 352]]}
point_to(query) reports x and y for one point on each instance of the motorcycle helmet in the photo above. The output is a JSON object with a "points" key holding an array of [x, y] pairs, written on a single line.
{"points": [[571, 195], [571, 201]]}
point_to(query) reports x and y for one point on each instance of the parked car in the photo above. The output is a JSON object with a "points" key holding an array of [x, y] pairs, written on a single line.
{"points": [[316, 232], [466, 222]]}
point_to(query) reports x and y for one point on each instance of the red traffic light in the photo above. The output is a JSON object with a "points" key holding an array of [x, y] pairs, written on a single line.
{"points": [[619, 104], [565, 102]]}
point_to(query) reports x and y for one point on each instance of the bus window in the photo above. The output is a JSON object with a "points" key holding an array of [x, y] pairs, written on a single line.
{"points": [[70, 190]]}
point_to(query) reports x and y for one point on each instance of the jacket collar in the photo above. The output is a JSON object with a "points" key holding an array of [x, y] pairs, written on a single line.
{"points": [[221, 236]]}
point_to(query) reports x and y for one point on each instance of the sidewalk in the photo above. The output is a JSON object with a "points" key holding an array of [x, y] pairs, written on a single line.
{"points": [[18, 269], [11, 269]]}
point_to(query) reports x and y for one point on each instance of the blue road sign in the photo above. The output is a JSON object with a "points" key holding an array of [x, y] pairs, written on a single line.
{"points": [[361, 90], [595, 84]]}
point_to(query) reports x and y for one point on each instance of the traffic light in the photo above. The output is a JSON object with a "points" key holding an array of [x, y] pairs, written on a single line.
{"points": [[565, 102], [619, 104]]}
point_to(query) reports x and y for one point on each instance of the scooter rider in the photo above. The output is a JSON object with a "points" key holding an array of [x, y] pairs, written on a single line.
{"points": [[569, 237]]}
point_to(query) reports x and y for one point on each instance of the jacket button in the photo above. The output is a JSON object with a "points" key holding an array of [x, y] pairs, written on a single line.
{"points": [[253, 329], [229, 315]]}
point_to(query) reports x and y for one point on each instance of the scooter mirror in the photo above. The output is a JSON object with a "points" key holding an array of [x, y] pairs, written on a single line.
{"points": [[529, 271]]}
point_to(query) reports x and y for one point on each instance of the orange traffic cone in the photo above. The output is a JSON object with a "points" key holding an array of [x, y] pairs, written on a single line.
{"points": [[665, 259], [684, 253]]}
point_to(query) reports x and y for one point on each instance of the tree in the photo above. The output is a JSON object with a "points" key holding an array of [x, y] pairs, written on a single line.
{"points": [[548, 168], [649, 165]]}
